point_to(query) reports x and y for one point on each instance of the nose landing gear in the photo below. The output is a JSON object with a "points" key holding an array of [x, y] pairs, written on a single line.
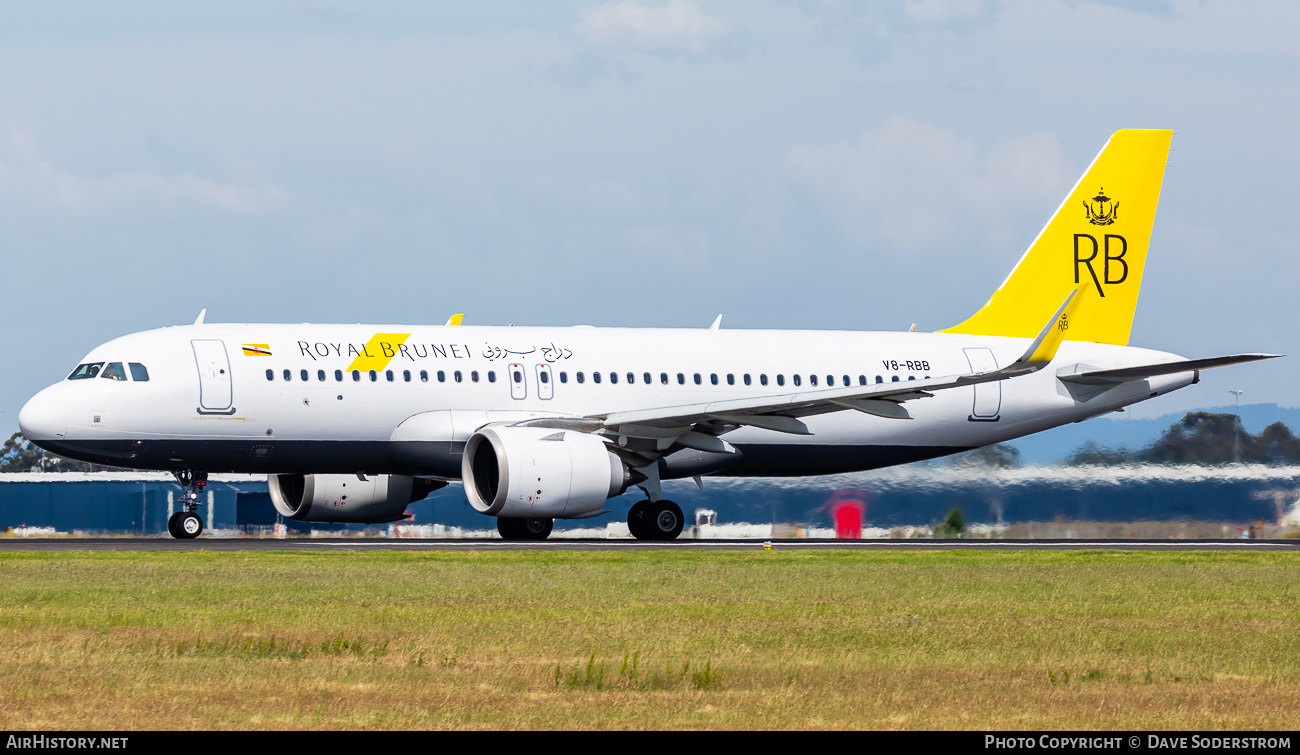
{"points": [[186, 523]]}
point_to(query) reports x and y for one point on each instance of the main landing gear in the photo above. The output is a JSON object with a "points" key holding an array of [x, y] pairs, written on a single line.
{"points": [[535, 528], [186, 523], [655, 520]]}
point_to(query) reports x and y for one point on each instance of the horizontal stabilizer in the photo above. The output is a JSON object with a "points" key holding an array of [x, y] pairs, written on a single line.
{"points": [[1107, 377]]}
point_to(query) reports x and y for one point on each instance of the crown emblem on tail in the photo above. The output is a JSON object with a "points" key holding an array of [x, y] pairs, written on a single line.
{"points": [[1101, 215]]}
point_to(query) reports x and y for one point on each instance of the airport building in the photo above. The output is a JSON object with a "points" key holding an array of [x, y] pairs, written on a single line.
{"points": [[139, 503]]}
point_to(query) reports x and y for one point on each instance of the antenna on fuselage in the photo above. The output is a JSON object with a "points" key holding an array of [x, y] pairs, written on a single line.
{"points": [[202, 313]]}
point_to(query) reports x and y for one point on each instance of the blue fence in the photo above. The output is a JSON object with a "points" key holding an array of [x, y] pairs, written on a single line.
{"points": [[141, 503]]}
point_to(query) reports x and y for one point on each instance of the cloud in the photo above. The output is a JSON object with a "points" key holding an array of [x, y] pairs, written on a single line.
{"points": [[27, 176], [915, 187], [908, 16], [949, 14], [1155, 7], [677, 25]]}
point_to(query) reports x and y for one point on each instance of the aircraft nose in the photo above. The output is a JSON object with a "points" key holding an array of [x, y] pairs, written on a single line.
{"points": [[44, 417]]}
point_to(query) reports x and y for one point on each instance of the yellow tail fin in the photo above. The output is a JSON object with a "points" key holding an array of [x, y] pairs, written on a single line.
{"points": [[1098, 238]]}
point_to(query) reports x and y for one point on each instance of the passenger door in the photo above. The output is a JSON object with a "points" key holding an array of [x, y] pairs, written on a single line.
{"points": [[988, 396], [215, 393]]}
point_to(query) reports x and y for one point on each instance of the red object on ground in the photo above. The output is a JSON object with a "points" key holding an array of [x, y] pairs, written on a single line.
{"points": [[847, 512]]}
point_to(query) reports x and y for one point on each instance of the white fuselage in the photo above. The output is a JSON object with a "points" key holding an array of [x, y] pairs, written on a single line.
{"points": [[334, 398]]}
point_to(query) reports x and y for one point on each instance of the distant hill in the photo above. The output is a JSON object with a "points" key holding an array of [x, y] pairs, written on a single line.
{"points": [[1054, 445]]}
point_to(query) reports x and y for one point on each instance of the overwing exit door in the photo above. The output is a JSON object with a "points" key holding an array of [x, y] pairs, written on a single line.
{"points": [[545, 389], [518, 388], [215, 393]]}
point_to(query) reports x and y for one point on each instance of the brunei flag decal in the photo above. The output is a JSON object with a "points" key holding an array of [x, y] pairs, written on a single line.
{"points": [[257, 349]]}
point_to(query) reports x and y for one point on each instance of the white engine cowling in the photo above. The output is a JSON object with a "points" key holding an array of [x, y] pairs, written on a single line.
{"points": [[346, 498], [539, 472]]}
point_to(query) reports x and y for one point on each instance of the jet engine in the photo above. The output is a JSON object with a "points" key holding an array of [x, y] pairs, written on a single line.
{"points": [[347, 498], [539, 472]]}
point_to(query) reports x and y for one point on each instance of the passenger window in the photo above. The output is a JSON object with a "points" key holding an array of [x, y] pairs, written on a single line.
{"points": [[911, 377], [780, 379], [663, 378], [492, 376], [138, 373], [303, 375], [613, 378], [517, 376], [473, 376], [424, 376], [338, 375], [581, 378], [356, 376], [830, 381], [879, 379], [762, 379], [731, 379], [713, 378], [796, 380], [894, 379], [84, 371], [697, 379], [862, 379], [746, 378], [812, 380], [388, 374], [287, 375], [631, 379], [270, 374], [545, 378], [442, 376], [406, 375], [646, 377], [681, 379], [595, 377], [320, 376], [564, 377], [373, 376], [456, 375]]}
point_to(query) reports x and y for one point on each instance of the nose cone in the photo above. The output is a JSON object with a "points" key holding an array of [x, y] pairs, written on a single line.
{"points": [[44, 417]]}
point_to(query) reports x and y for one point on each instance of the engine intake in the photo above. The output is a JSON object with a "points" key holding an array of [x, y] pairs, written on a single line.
{"points": [[347, 498], [540, 472]]}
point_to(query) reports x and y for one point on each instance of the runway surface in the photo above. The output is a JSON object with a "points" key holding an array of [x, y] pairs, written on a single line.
{"points": [[565, 544]]}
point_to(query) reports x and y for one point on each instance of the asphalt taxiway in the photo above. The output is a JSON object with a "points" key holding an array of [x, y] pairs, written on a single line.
{"points": [[573, 544]]}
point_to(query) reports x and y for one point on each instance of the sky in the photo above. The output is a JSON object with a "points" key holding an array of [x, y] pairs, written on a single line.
{"points": [[830, 164]]}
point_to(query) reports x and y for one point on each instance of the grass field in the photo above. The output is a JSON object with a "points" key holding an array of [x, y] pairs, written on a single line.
{"points": [[663, 640]]}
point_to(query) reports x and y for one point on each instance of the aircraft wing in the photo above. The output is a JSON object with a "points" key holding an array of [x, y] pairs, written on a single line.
{"points": [[781, 412]]}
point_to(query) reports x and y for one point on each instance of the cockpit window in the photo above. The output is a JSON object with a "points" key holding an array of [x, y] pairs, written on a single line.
{"points": [[114, 371], [138, 373], [88, 370]]}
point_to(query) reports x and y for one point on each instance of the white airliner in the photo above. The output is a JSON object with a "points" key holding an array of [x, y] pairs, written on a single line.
{"points": [[354, 422]]}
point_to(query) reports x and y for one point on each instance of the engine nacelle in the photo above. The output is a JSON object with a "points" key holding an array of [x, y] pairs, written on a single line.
{"points": [[347, 498], [539, 472]]}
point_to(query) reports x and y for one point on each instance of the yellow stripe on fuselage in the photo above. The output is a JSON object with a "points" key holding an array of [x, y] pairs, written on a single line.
{"points": [[378, 351]]}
